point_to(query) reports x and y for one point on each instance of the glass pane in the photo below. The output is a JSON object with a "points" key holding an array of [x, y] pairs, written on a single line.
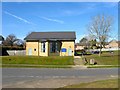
{"points": [[42, 46]]}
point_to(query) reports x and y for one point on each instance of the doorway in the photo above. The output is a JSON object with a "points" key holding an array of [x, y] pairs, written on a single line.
{"points": [[30, 51], [69, 52]]}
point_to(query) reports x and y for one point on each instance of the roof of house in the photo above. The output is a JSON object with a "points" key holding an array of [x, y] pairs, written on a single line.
{"points": [[115, 41], [1, 38], [118, 43], [51, 36]]}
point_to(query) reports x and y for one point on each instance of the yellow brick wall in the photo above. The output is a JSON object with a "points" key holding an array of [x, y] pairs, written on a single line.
{"points": [[37, 45], [67, 45], [32, 45]]}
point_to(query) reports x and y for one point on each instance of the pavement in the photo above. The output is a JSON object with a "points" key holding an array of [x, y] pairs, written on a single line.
{"points": [[53, 78], [78, 60]]}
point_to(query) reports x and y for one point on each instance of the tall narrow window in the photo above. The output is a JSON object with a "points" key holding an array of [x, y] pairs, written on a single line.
{"points": [[56, 47], [50, 46], [53, 47], [42, 46]]}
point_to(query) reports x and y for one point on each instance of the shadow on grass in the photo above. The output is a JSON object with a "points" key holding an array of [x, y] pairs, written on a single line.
{"points": [[82, 54], [109, 55]]}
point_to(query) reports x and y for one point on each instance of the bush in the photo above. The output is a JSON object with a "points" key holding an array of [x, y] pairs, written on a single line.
{"points": [[12, 48]]}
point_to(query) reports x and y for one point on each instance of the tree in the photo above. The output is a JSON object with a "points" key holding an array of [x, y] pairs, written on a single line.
{"points": [[99, 27], [10, 40], [93, 43], [20, 43], [84, 41]]}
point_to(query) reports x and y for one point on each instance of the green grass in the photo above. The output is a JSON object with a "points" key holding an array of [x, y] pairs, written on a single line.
{"points": [[36, 60], [111, 83], [41, 66], [106, 58]]}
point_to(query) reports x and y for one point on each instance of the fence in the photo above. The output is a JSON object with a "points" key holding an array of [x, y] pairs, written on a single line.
{"points": [[16, 52], [105, 49]]}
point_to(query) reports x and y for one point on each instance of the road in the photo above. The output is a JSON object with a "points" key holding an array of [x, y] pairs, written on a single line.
{"points": [[42, 77]]}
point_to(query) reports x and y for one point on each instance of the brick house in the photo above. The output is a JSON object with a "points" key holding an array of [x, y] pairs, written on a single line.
{"points": [[112, 44], [50, 43]]}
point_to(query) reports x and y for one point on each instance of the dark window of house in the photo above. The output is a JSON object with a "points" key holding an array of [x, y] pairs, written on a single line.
{"points": [[42, 46], [53, 47], [34, 49]]}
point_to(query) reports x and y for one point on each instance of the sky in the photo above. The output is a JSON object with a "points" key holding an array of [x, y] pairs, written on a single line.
{"points": [[22, 18]]}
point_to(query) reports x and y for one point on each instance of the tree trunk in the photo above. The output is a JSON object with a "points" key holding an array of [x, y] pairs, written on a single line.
{"points": [[100, 50]]}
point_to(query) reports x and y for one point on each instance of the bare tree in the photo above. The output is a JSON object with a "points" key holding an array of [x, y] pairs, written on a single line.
{"points": [[20, 43], [10, 40], [84, 41], [99, 27]]}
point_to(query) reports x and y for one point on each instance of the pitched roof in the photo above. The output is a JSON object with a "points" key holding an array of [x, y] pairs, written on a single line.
{"points": [[1, 38], [118, 43], [51, 36], [115, 41]]}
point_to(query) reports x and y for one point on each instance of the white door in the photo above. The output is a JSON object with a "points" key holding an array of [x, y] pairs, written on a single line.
{"points": [[69, 52], [30, 51]]}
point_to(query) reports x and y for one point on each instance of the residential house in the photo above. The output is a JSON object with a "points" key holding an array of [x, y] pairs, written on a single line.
{"points": [[112, 44], [79, 46], [1, 39], [50, 43], [118, 43]]}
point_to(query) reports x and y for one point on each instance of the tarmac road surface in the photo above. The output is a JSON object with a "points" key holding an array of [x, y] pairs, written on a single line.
{"points": [[53, 77]]}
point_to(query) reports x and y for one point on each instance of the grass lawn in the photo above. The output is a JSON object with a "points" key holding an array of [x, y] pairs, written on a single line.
{"points": [[35, 66], [106, 58], [111, 83], [36, 60]]}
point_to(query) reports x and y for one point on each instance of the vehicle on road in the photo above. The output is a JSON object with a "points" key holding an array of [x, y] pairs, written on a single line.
{"points": [[95, 52]]}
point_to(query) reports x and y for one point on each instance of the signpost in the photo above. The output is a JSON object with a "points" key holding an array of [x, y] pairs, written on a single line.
{"points": [[63, 50]]}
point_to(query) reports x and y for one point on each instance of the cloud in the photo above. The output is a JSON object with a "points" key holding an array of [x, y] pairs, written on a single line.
{"points": [[79, 10], [21, 19], [70, 12], [53, 20], [76, 12]]}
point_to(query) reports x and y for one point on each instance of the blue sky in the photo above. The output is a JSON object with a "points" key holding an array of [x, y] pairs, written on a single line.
{"points": [[21, 18]]}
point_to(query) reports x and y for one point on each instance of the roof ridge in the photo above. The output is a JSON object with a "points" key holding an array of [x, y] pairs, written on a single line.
{"points": [[53, 31], [49, 35]]}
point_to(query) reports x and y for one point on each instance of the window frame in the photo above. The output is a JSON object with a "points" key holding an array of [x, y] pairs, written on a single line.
{"points": [[53, 47], [43, 47]]}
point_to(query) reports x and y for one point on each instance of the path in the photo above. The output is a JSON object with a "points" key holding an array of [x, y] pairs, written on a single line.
{"points": [[78, 60], [78, 63]]}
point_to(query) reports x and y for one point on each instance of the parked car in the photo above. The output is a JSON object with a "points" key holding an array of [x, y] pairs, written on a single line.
{"points": [[80, 52], [95, 52]]}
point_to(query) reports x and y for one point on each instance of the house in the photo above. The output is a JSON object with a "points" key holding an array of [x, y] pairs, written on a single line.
{"points": [[112, 44], [79, 46], [50, 43], [118, 44], [1, 39]]}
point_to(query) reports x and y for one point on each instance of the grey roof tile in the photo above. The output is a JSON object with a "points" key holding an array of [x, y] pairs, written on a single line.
{"points": [[51, 35]]}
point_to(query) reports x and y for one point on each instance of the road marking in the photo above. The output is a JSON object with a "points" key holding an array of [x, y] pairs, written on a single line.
{"points": [[41, 76], [113, 75], [54, 77]]}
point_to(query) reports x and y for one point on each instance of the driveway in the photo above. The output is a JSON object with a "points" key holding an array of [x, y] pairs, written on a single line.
{"points": [[52, 78]]}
